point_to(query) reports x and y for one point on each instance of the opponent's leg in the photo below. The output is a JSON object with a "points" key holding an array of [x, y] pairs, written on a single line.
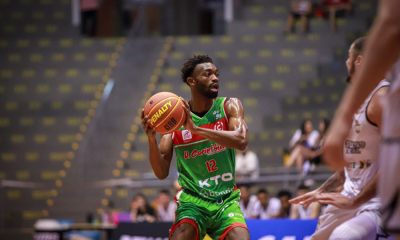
{"points": [[362, 227], [238, 233], [184, 231]]}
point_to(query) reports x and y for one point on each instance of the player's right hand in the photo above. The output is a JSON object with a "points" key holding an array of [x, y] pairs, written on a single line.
{"points": [[306, 199], [146, 125]]}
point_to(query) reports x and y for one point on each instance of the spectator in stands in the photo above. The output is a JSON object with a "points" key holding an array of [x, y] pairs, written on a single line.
{"points": [[301, 153], [266, 207], [300, 9], [305, 137], [141, 211], [332, 6], [247, 202], [166, 207], [298, 212], [284, 197], [247, 165]]}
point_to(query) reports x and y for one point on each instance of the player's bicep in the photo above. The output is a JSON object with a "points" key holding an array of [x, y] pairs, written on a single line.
{"points": [[235, 115], [166, 147]]}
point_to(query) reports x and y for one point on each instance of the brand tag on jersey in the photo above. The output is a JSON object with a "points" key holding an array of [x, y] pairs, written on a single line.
{"points": [[186, 135]]}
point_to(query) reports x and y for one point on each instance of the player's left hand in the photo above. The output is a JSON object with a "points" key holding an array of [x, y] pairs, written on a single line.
{"points": [[188, 124], [337, 200]]}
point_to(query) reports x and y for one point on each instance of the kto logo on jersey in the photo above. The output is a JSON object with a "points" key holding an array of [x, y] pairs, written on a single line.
{"points": [[226, 177], [186, 134]]}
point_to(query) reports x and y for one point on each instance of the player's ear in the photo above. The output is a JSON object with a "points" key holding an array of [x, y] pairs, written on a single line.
{"points": [[191, 81], [359, 60]]}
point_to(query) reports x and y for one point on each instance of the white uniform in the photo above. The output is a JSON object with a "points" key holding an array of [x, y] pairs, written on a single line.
{"points": [[389, 182], [272, 209], [167, 215], [303, 213], [248, 211], [361, 151]]}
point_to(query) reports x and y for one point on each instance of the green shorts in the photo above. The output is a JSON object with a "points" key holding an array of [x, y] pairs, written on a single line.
{"points": [[212, 218]]}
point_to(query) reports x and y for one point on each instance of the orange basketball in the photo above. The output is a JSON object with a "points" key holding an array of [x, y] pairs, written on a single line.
{"points": [[165, 112]]}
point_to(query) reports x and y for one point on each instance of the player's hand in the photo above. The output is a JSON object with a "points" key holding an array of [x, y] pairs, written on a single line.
{"points": [[146, 126], [306, 199], [332, 149], [337, 200], [188, 124]]}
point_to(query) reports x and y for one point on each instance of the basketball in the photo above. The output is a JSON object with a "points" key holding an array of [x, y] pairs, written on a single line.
{"points": [[165, 112]]}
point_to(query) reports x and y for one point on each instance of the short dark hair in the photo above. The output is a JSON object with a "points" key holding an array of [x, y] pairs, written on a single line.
{"points": [[303, 125], [165, 191], [283, 193], [358, 45], [191, 64], [262, 191], [303, 187]]}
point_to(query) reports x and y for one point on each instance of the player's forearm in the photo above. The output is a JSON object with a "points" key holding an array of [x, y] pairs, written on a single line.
{"points": [[231, 139], [157, 161], [335, 181], [368, 192], [381, 51]]}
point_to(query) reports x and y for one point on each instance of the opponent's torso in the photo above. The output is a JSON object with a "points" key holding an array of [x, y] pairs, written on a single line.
{"points": [[391, 115], [205, 167], [361, 149]]}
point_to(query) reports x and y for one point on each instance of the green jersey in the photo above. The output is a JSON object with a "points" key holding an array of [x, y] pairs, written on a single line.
{"points": [[205, 167]]}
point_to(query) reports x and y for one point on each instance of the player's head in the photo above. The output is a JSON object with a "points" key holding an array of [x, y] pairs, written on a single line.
{"points": [[244, 192], [263, 196], [306, 126], [355, 56], [324, 125], [201, 75], [164, 197], [284, 196], [302, 189]]}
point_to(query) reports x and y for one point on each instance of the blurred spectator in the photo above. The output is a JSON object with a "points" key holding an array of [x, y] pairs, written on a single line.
{"points": [[266, 207], [89, 17], [284, 197], [305, 137], [332, 6], [247, 202], [298, 212], [302, 152], [247, 165], [141, 211], [166, 208], [300, 9]]}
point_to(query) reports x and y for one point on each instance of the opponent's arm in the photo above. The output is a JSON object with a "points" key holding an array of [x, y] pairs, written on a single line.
{"points": [[381, 51], [160, 156], [336, 180], [236, 138]]}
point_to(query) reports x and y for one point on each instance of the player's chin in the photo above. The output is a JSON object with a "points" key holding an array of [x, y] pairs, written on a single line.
{"points": [[213, 93]]}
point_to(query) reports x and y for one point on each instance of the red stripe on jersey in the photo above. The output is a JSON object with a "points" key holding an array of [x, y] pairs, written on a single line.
{"points": [[185, 136]]}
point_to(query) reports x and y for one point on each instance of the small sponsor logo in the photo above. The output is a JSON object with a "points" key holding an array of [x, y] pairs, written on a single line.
{"points": [[354, 147], [231, 214], [186, 135]]}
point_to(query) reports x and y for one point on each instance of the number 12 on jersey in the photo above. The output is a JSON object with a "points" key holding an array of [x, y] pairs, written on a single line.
{"points": [[212, 165]]}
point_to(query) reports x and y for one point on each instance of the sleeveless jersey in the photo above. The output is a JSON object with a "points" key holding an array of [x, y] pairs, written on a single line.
{"points": [[205, 167], [391, 128], [361, 150]]}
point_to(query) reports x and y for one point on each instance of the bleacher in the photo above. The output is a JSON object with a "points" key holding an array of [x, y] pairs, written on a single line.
{"points": [[52, 80]]}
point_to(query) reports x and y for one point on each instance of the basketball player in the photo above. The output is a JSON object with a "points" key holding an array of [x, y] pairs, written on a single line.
{"points": [[353, 213], [205, 147], [381, 57]]}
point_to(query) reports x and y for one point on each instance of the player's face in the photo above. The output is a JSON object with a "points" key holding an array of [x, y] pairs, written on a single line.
{"points": [[350, 63], [164, 198], [301, 192], [263, 198], [308, 127], [244, 194], [206, 80]]}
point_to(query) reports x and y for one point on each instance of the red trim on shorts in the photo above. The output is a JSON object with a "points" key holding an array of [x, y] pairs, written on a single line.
{"points": [[189, 221], [232, 226]]}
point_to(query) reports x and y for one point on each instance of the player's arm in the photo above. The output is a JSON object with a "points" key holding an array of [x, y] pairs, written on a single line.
{"points": [[160, 156], [335, 181], [381, 51], [236, 138]]}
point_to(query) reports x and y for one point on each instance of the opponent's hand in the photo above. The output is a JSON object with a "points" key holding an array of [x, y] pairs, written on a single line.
{"points": [[337, 200], [332, 149], [146, 126], [188, 124], [306, 199]]}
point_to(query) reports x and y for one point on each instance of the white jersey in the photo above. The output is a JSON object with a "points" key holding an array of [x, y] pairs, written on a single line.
{"points": [[272, 209], [167, 215], [391, 127], [361, 151], [248, 211]]}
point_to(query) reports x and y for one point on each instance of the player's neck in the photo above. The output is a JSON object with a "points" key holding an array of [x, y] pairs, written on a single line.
{"points": [[200, 103]]}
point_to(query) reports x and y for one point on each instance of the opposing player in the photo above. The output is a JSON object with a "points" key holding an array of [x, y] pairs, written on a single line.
{"points": [[205, 147], [381, 57], [353, 213]]}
